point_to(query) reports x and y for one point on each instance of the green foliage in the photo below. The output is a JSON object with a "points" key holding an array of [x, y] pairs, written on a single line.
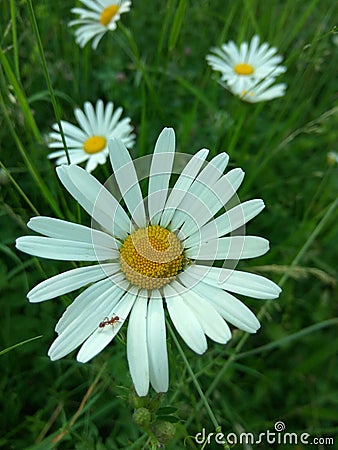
{"points": [[154, 66]]}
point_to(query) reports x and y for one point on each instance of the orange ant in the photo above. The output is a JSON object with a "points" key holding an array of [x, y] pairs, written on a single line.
{"points": [[107, 321]]}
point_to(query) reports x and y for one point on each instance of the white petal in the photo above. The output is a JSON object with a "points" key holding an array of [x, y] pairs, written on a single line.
{"points": [[70, 281], [211, 321], [160, 172], [101, 337], [205, 180], [62, 229], [86, 301], [84, 122], [99, 112], [127, 180], [226, 304], [84, 309], [92, 163], [74, 159], [63, 250], [227, 222], [234, 247], [245, 283], [86, 322], [157, 344], [214, 198], [70, 131], [185, 321], [137, 349], [182, 185], [90, 113], [124, 306], [95, 199]]}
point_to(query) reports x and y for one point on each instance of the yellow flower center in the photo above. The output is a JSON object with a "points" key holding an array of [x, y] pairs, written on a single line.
{"points": [[107, 14], [243, 69], [94, 144], [151, 257]]}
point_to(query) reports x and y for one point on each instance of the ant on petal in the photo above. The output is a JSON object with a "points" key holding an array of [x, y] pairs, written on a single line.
{"points": [[107, 321]]}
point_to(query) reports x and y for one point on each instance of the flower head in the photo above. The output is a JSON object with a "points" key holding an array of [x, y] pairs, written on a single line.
{"points": [[100, 17], [154, 254], [89, 142], [244, 67]]}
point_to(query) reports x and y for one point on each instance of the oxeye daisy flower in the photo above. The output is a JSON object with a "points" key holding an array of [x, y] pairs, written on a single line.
{"points": [[153, 257], [244, 66], [89, 142], [100, 17]]}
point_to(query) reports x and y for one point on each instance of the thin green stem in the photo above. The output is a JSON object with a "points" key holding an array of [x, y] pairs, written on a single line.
{"points": [[34, 173], [47, 77], [288, 339], [134, 54], [15, 40], [20, 96], [12, 347], [18, 188], [193, 377]]}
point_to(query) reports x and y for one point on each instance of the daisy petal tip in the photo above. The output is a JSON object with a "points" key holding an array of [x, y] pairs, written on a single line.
{"points": [[82, 358], [169, 131], [278, 291], [52, 356], [60, 170], [30, 223], [18, 242], [31, 297], [141, 391]]}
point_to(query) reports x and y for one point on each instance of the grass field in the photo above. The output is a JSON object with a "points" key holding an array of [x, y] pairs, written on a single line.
{"points": [[154, 66]]}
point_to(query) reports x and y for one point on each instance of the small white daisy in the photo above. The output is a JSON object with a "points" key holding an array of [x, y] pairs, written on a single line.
{"points": [[155, 253], [100, 17], [89, 142], [244, 66], [259, 91]]}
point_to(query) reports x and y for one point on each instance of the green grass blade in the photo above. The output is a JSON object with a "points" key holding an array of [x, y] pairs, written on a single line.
{"points": [[34, 173], [15, 39], [20, 95], [19, 344], [177, 24], [47, 77]]}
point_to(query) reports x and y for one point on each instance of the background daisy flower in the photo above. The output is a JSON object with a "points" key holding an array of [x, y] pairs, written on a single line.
{"points": [[242, 67], [89, 142], [158, 251], [100, 17]]}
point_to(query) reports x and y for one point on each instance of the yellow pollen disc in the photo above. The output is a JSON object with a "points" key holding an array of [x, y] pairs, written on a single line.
{"points": [[107, 14], [151, 257], [243, 69], [94, 144]]}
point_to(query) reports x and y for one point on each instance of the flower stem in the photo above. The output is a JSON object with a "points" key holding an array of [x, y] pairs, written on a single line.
{"points": [[194, 379]]}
